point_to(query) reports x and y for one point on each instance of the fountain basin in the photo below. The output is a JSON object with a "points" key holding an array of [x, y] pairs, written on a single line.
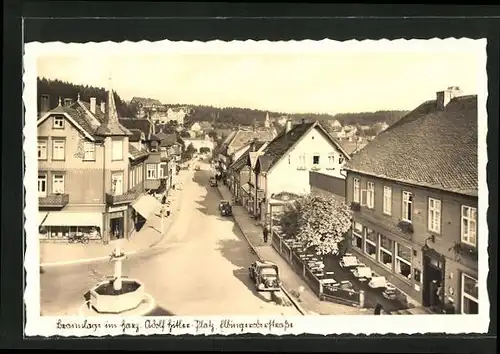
{"points": [[105, 299]]}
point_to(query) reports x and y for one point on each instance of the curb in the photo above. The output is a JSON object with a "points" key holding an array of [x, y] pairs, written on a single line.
{"points": [[151, 247], [254, 250]]}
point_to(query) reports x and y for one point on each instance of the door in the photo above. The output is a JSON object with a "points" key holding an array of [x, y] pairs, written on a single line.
{"points": [[432, 282], [117, 183], [116, 227]]}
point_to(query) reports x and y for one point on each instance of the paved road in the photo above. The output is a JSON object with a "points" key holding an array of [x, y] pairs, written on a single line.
{"points": [[202, 270]]}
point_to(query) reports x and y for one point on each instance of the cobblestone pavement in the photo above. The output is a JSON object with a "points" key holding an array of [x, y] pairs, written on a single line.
{"points": [[200, 268]]}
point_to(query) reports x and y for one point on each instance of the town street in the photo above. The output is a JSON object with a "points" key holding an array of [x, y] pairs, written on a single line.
{"points": [[201, 268]]}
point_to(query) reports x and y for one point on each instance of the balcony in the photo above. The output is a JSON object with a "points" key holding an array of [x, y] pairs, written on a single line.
{"points": [[54, 200], [124, 198]]}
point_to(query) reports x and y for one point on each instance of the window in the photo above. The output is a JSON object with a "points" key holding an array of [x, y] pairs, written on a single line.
{"points": [[58, 122], [470, 298], [58, 149], [161, 170], [42, 185], [371, 243], [385, 251], [357, 235], [58, 184], [316, 160], [434, 217], [42, 149], [289, 159], [151, 171], [117, 150], [341, 160], [89, 151], [356, 197], [302, 160], [407, 206], [387, 200], [117, 183], [469, 225], [403, 261], [370, 195], [331, 162]]}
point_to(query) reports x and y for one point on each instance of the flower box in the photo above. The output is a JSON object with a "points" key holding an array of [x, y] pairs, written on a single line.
{"points": [[406, 226]]}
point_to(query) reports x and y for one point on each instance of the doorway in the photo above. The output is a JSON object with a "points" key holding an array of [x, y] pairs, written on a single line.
{"points": [[116, 227], [433, 279]]}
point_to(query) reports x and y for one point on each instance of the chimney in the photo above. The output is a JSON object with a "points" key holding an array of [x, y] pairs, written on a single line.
{"points": [[44, 104], [92, 104], [444, 97], [288, 125], [68, 102], [103, 107]]}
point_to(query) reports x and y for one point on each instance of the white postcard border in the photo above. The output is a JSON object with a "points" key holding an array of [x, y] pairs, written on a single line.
{"points": [[48, 326]]}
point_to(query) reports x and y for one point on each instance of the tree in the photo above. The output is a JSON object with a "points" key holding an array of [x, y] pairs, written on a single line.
{"points": [[185, 134], [319, 222], [204, 150], [212, 134]]}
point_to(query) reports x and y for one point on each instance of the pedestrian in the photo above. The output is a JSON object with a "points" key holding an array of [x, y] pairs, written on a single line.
{"points": [[164, 199], [265, 234], [378, 309]]}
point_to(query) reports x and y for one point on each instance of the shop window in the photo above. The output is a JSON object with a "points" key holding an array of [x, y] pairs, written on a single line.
{"points": [[470, 296], [357, 235], [403, 261], [371, 243], [385, 251]]}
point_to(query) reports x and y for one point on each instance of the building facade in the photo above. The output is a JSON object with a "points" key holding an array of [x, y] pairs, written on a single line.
{"points": [[414, 196]]}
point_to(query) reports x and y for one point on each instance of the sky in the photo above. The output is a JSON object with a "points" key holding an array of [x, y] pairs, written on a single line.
{"points": [[298, 81]]}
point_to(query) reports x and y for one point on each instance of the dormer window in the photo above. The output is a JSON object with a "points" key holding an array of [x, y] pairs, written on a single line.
{"points": [[58, 122]]}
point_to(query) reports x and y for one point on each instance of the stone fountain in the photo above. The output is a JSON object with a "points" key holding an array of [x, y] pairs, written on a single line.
{"points": [[118, 295]]}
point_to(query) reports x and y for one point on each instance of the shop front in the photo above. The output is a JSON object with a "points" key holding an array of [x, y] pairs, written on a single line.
{"points": [[59, 226]]}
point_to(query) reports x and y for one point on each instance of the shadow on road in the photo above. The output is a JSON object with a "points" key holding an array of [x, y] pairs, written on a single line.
{"points": [[239, 254], [210, 203]]}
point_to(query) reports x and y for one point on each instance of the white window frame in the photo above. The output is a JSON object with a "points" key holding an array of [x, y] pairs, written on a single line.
{"points": [[356, 190], [58, 148], [43, 179], [357, 234], [397, 258], [302, 160], [387, 209], [464, 295], [367, 241], [331, 161], [116, 150], [113, 190], [160, 170], [382, 249], [58, 178], [434, 215], [407, 201], [58, 122], [341, 159], [151, 171], [88, 151], [370, 195], [42, 146], [465, 235]]}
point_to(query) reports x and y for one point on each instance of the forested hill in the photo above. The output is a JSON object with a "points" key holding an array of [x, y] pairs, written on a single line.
{"points": [[57, 88], [247, 116]]}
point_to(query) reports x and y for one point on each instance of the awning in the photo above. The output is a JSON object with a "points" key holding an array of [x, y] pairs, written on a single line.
{"points": [[61, 218], [145, 205]]}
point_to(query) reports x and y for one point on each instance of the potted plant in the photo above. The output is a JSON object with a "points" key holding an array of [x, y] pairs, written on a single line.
{"points": [[406, 226]]}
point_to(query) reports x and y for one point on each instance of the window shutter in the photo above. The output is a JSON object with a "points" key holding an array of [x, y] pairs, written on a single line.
{"points": [[364, 197]]}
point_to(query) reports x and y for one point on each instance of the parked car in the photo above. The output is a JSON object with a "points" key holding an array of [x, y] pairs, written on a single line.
{"points": [[264, 274], [225, 208], [197, 167], [213, 181]]}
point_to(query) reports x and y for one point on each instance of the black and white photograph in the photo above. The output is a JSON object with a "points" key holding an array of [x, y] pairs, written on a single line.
{"points": [[289, 187]]}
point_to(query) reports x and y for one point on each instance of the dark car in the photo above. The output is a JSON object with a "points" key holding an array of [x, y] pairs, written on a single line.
{"points": [[225, 208], [264, 274], [213, 182]]}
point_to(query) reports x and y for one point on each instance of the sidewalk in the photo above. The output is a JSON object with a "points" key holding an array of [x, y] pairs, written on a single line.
{"points": [[149, 236], [291, 280]]}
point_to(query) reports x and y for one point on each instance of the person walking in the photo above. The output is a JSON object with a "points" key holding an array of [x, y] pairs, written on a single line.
{"points": [[265, 233], [378, 309]]}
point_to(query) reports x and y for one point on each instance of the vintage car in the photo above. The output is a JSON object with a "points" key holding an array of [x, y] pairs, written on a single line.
{"points": [[225, 208], [213, 182], [264, 274], [197, 167]]}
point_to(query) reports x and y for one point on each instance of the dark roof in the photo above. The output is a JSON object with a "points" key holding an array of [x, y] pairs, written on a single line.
{"points": [[136, 153], [99, 115], [243, 137], [243, 159], [428, 147], [78, 115], [110, 125], [136, 135], [143, 125], [168, 139]]}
